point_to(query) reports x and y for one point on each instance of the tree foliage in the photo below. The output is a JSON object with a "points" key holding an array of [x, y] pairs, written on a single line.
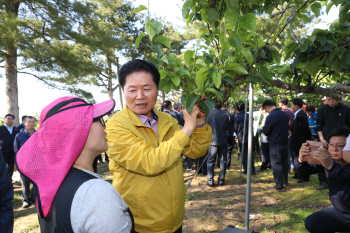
{"points": [[231, 52]]}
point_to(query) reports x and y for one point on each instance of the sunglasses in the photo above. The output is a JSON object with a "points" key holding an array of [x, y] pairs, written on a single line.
{"points": [[99, 119]]}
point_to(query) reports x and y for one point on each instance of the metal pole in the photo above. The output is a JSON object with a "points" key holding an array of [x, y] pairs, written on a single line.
{"points": [[244, 132], [250, 158]]}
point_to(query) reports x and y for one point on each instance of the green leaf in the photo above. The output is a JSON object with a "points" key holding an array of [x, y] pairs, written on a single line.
{"points": [[305, 46], [167, 87], [190, 101], [213, 15], [316, 8], [215, 92], [254, 78], [233, 3], [344, 14], [162, 73], [201, 77], [328, 7], [201, 62], [140, 8], [204, 15], [206, 105], [248, 55], [139, 38], [157, 25], [265, 72], [345, 61], [312, 67], [327, 47], [275, 54], [185, 72], [165, 59], [231, 16], [163, 40], [268, 81], [217, 79], [188, 57], [229, 80], [248, 21], [150, 29], [176, 80], [186, 9], [238, 68]]}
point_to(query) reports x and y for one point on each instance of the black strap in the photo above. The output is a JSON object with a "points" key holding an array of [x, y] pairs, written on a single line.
{"points": [[56, 109], [132, 221]]}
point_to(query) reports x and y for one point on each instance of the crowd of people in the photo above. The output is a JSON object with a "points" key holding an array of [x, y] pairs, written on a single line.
{"points": [[145, 147]]}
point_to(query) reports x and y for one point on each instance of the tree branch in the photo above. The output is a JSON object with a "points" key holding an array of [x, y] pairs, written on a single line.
{"points": [[114, 88], [42, 79]]}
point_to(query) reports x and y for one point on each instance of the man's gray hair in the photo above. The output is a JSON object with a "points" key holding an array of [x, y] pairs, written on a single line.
{"points": [[177, 105]]}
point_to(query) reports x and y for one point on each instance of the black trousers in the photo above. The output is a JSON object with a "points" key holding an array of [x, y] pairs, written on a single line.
{"points": [[229, 151], [10, 162], [265, 156], [279, 163], [245, 156], [327, 221], [221, 150]]}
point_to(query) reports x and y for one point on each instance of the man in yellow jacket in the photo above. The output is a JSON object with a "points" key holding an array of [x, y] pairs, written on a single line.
{"points": [[145, 147]]}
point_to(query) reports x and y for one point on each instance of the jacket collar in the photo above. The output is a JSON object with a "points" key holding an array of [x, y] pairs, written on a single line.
{"points": [[162, 120]]}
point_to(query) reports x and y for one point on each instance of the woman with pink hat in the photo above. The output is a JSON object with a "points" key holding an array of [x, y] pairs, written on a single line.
{"points": [[58, 159]]}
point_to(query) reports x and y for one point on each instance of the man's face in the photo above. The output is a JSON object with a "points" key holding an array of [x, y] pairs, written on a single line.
{"points": [[304, 107], [336, 146], [268, 109], [262, 111], [140, 93], [331, 102], [180, 109], [325, 102], [295, 108], [29, 124], [280, 105], [9, 120]]}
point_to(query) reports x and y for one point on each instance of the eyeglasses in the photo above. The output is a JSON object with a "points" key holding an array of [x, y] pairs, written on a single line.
{"points": [[337, 146], [99, 119]]}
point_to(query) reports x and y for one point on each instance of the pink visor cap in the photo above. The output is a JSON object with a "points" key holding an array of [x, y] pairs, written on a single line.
{"points": [[48, 155]]}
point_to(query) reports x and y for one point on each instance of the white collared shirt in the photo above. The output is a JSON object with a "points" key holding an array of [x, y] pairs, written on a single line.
{"points": [[9, 129], [295, 114]]}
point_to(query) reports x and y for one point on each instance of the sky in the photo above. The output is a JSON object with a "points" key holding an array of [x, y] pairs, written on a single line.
{"points": [[34, 95]]}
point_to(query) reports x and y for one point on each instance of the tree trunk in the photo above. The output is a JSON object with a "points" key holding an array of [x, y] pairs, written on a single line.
{"points": [[163, 95], [109, 85], [120, 88], [11, 66], [11, 81], [121, 96]]}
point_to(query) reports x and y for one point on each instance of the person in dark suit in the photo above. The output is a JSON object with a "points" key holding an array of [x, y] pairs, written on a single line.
{"points": [[219, 123], [21, 126], [230, 138], [177, 114], [6, 197], [300, 131], [276, 129], [166, 107], [8, 133], [238, 125]]}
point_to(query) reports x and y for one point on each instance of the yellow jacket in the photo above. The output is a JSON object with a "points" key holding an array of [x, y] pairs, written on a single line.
{"points": [[148, 172]]}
